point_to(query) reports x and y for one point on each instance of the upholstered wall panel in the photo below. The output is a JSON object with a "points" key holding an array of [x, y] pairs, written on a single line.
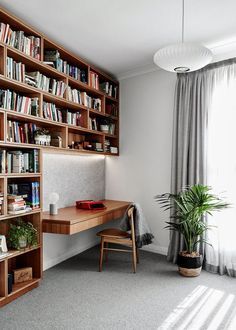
{"points": [[73, 178]]}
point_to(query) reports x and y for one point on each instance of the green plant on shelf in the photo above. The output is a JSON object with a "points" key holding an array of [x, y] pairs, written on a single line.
{"points": [[22, 234]]}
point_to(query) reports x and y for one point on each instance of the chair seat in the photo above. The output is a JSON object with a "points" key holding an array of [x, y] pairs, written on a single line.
{"points": [[113, 232]]}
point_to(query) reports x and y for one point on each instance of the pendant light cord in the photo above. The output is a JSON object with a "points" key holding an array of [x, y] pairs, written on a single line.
{"points": [[182, 21]]}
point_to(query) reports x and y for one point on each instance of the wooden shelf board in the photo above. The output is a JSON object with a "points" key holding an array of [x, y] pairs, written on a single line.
{"points": [[11, 216], [12, 114], [21, 286], [110, 136], [16, 253], [111, 98], [20, 175]]}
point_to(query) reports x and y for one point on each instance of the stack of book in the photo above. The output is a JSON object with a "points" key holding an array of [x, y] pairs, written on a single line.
{"points": [[1, 203], [15, 70], [20, 132], [30, 45], [107, 145], [50, 111], [22, 162], [29, 191], [52, 57], [72, 118], [12, 101], [109, 89], [97, 146], [39, 80], [17, 204], [94, 80], [113, 150]]}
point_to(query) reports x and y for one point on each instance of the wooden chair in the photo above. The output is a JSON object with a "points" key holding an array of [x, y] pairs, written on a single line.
{"points": [[117, 236]]}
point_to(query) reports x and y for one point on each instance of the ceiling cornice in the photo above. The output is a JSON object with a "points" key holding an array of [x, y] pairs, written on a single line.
{"points": [[221, 52]]}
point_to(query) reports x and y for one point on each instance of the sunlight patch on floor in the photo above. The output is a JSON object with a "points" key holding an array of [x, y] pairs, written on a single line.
{"points": [[204, 308]]}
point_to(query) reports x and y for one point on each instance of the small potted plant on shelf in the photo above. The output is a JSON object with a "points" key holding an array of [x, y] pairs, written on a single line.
{"points": [[22, 234], [105, 125], [42, 137], [188, 211]]}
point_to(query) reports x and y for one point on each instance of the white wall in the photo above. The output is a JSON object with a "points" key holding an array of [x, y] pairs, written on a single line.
{"points": [[143, 168], [73, 178]]}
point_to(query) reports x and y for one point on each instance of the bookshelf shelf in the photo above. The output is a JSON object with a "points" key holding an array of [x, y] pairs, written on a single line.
{"points": [[15, 253]]}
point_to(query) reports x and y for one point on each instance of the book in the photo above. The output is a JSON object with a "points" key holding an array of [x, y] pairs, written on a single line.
{"points": [[94, 80]]}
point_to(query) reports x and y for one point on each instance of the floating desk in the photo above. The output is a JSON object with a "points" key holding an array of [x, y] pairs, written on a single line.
{"points": [[71, 220]]}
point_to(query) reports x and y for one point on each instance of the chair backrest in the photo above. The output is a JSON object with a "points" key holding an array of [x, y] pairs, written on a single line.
{"points": [[131, 219]]}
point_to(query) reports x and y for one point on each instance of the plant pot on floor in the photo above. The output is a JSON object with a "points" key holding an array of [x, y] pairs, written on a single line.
{"points": [[190, 264]]}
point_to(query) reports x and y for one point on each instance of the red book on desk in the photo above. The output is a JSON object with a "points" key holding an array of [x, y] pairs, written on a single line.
{"points": [[90, 205]]}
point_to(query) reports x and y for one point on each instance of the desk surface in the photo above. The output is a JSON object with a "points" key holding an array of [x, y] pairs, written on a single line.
{"points": [[71, 220]]}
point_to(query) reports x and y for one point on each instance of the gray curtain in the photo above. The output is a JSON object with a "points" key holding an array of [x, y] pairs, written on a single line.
{"points": [[193, 96]]}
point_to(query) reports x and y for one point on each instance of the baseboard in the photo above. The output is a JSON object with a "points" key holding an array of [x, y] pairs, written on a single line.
{"points": [[156, 249], [69, 254]]}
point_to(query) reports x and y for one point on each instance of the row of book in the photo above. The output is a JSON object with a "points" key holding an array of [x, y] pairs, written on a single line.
{"points": [[39, 80], [23, 197], [30, 45], [16, 161], [112, 109], [15, 70], [83, 98], [22, 161], [53, 58], [11, 100], [73, 118], [109, 89], [51, 112], [94, 80], [20, 132]]}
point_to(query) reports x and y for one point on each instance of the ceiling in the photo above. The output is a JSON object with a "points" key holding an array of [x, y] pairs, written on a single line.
{"points": [[121, 36]]}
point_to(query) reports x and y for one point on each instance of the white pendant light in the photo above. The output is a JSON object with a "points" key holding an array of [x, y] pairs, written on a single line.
{"points": [[182, 57]]}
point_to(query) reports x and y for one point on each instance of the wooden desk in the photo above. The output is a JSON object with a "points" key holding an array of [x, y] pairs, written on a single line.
{"points": [[71, 220]]}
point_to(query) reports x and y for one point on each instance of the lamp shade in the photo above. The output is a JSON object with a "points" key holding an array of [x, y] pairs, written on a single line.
{"points": [[182, 57]]}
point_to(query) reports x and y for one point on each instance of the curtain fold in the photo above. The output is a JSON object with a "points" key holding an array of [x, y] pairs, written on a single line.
{"points": [[194, 95]]}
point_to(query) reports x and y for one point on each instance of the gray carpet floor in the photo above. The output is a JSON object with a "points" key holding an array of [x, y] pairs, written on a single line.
{"points": [[74, 295]]}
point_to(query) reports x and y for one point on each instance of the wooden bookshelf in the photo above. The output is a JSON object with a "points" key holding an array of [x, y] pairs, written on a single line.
{"points": [[81, 131], [104, 109]]}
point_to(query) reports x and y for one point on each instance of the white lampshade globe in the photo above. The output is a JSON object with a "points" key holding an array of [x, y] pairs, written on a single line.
{"points": [[183, 57], [54, 198]]}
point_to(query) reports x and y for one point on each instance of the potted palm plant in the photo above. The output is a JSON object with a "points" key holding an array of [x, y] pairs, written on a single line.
{"points": [[188, 210]]}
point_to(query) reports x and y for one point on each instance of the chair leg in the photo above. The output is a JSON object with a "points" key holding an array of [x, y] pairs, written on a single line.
{"points": [[106, 251], [134, 259], [101, 254], [137, 255]]}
